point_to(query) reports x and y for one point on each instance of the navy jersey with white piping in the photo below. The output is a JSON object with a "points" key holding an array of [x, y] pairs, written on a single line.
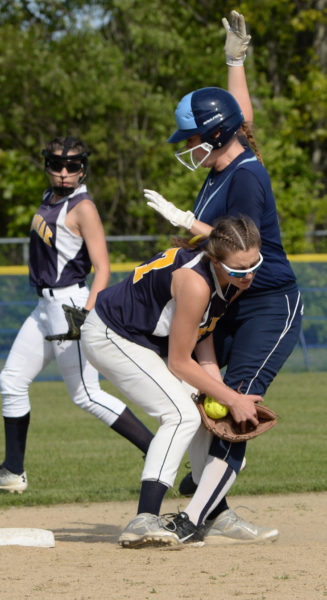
{"points": [[58, 258], [260, 329], [244, 188], [141, 307]]}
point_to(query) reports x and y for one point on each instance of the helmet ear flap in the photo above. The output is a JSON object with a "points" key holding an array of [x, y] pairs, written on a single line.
{"points": [[214, 138]]}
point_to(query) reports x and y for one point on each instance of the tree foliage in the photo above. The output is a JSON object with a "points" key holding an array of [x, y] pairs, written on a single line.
{"points": [[112, 72]]}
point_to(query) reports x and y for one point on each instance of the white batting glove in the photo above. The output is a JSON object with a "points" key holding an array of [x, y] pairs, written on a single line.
{"points": [[177, 217], [237, 39]]}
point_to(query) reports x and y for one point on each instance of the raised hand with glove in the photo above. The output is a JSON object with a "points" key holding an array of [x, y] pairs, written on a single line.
{"points": [[177, 217], [237, 40], [75, 318]]}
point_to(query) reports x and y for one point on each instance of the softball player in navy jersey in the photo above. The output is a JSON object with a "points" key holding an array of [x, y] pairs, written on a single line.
{"points": [[260, 329], [66, 238], [151, 335]]}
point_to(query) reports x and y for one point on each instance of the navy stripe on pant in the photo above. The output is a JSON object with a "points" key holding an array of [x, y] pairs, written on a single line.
{"points": [[254, 339]]}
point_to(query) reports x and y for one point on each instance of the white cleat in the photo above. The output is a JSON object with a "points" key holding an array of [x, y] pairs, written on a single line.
{"points": [[230, 528], [11, 482], [147, 530]]}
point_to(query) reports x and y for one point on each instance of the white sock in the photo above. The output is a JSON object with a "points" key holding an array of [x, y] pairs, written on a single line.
{"points": [[216, 480]]}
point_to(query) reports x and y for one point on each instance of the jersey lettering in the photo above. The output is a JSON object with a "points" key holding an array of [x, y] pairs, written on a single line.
{"points": [[40, 226], [167, 259], [209, 328]]}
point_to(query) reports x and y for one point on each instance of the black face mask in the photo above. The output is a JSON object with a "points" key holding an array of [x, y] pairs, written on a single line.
{"points": [[54, 163], [63, 190]]}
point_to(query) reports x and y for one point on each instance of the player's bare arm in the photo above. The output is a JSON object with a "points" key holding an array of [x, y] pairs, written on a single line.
{"points": [[236, 44], [191, 294], [84, 221], [237, 85], [206, 357], [200, 228], [241, 406]]}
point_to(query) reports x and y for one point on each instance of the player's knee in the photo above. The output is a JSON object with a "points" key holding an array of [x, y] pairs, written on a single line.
{"points": [[14, 392], [79, 392], [188, 417], [78, 399], [13, 384]]}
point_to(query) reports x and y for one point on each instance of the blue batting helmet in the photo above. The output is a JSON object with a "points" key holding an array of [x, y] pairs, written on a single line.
{"points": [[204, 112]]}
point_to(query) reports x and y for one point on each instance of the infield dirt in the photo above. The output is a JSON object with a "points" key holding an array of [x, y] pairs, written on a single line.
{"points": [[88, 564]]}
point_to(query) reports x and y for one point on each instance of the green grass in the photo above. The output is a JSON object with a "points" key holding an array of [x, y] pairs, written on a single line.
{"points": [[73, 457]]}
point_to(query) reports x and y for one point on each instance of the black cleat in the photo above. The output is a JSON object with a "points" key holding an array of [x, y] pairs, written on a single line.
{"points": [[187, 532]]}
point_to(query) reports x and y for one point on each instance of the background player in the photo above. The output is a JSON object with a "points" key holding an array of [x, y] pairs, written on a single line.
{"points": [[142, 335], [260, 329], [66, 239]]}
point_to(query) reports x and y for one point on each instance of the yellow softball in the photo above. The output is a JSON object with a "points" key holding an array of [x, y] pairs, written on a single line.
{"points": [[214, 409]]}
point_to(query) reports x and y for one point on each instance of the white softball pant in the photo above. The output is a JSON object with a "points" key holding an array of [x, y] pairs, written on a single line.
{"points": [[31, 353], [145, 379]]}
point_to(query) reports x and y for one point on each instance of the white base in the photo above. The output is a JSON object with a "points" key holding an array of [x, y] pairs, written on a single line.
{"points": [[25, 536]]}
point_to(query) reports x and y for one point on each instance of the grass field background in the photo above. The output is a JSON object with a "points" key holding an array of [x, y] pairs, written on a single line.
{"points": [[73, 457]]}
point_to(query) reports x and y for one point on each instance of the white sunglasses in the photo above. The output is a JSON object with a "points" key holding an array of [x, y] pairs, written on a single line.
{"points": [[239, 273]]}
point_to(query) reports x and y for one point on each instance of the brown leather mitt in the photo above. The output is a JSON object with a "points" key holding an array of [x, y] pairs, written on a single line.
{"points": [[227, 429]]}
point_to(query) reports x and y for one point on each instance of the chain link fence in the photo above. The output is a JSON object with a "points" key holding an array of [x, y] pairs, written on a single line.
{"points": [[17, 299]]}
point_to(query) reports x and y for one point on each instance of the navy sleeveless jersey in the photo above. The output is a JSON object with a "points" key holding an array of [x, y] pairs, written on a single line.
{"points": [[140, 308], [58, 257], [244, 188]]}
